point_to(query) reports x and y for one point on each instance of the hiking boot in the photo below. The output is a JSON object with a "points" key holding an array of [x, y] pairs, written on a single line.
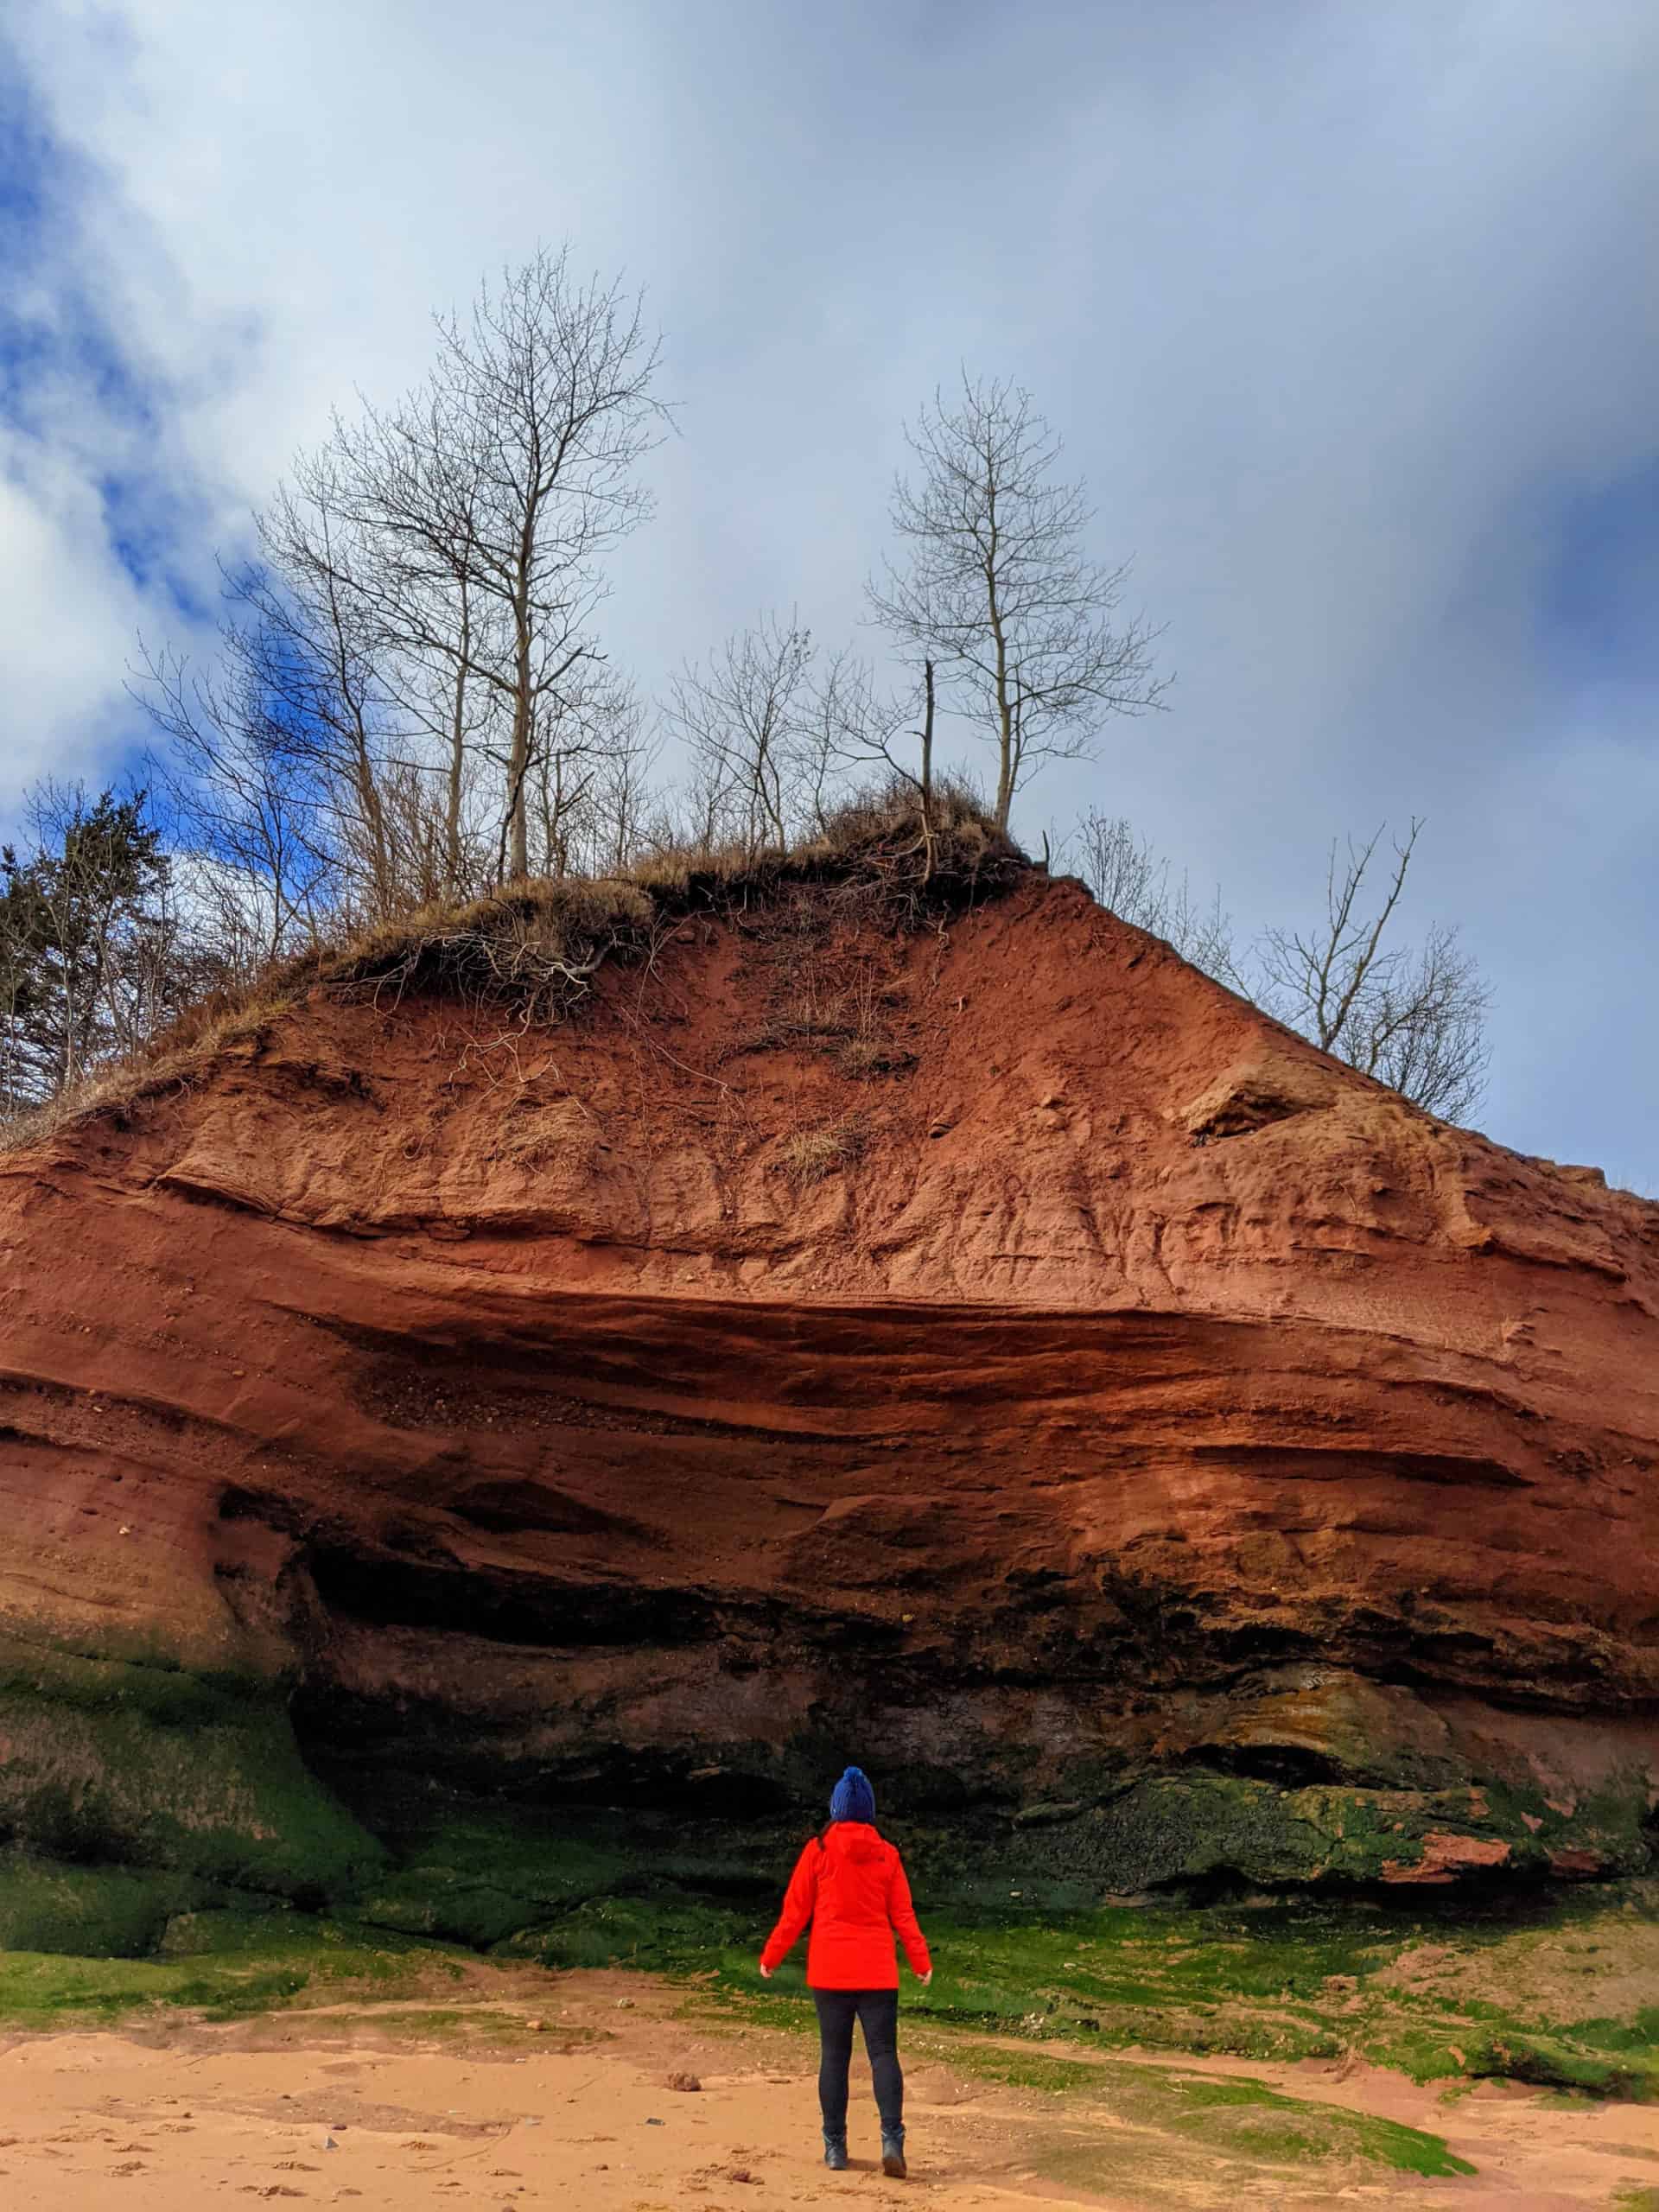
{"points": [[835, 2151], [892, 2154]]}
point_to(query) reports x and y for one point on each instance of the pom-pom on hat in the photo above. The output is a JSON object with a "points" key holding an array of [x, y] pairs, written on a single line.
{"points": [[852, 1798]]}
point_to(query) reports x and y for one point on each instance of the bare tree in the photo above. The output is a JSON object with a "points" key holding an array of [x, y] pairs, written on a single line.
{"points": [[410, 479], [481, 505], [998, 593], [294, 756], [404, 665], [304, 629], [291, 749], [1414, 1018], [1121, 868], [245, 830], [547, 387], [747, 720], [628, 749], [1128, 875], [590, 754]]}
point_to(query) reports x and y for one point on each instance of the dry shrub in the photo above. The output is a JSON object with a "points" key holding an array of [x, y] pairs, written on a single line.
{"points": [[882, 830], [676, 875], [811, 1154], [862, 1057], [534, 948], [877, 841]]}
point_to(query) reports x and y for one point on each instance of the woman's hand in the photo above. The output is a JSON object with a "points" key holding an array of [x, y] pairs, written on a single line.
{"points": [[766, 1971], [926, 1978]]}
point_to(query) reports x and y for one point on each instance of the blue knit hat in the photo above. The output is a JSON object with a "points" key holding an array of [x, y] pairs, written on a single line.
{"points": [[852, 1798]]}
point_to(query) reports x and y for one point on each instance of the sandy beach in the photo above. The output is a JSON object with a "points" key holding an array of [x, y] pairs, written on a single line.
{"points": [[380, 2107]]}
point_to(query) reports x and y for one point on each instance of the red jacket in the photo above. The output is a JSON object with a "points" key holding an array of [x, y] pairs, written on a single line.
{"points": [[852, 1888]]}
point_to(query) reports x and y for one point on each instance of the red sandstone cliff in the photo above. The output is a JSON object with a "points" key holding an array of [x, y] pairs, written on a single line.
{"points": [[995, 1342]]}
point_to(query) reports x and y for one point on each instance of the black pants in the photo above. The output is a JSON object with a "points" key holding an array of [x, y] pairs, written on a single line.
{"points": [[876, 2011]]}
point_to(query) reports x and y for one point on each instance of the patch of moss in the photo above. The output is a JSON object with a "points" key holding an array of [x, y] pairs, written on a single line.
{"points": [[222, 1931], [1186, 1827], [1287, 1976], [479, 1877], [657, 1935], [1296, 1978], [470, 2024], [1511, 2053], [1280, 1975], [94, 1911], [238, 1965], [139, 1762], [1231, 2116]]}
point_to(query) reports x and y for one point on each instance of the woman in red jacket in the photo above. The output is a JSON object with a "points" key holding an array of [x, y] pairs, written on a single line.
{"points": [[850, 1885]]}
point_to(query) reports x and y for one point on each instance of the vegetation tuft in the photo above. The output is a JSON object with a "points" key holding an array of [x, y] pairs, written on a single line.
{"points": [[811, 1154]]}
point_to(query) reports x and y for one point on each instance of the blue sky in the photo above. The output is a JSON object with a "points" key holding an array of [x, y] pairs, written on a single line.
{"points": [[1347, 314]]}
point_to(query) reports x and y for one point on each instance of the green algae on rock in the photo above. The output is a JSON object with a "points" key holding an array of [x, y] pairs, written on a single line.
{"points": [[1229, 2116], [122, 1760]]}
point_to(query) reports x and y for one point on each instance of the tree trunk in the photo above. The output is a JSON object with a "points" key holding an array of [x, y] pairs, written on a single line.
{"points": [[1004, 709], [517, 772], [458, 748], [927, 769]]}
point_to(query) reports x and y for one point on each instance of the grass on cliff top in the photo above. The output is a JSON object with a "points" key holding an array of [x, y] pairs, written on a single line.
{"points": [[532, 949]]}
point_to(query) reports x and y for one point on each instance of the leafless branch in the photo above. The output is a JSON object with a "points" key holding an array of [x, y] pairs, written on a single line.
{"points": [[997, 592]]}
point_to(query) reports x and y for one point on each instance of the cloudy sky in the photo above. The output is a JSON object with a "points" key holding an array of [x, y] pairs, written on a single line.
{"points": [[1348, 312]]}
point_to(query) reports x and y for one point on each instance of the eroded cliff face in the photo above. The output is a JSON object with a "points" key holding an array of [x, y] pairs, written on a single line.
{"points": [[993, 1352]]}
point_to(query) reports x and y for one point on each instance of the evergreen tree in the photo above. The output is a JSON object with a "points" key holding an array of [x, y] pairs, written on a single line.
{"points": [[85, 931]]}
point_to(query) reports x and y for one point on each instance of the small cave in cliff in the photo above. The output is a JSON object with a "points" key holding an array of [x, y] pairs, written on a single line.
{"points": [[1287, 1766], [542, 1612]]}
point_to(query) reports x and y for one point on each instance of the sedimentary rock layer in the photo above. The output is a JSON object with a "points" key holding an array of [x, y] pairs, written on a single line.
{"points": [[994, 1349]]}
